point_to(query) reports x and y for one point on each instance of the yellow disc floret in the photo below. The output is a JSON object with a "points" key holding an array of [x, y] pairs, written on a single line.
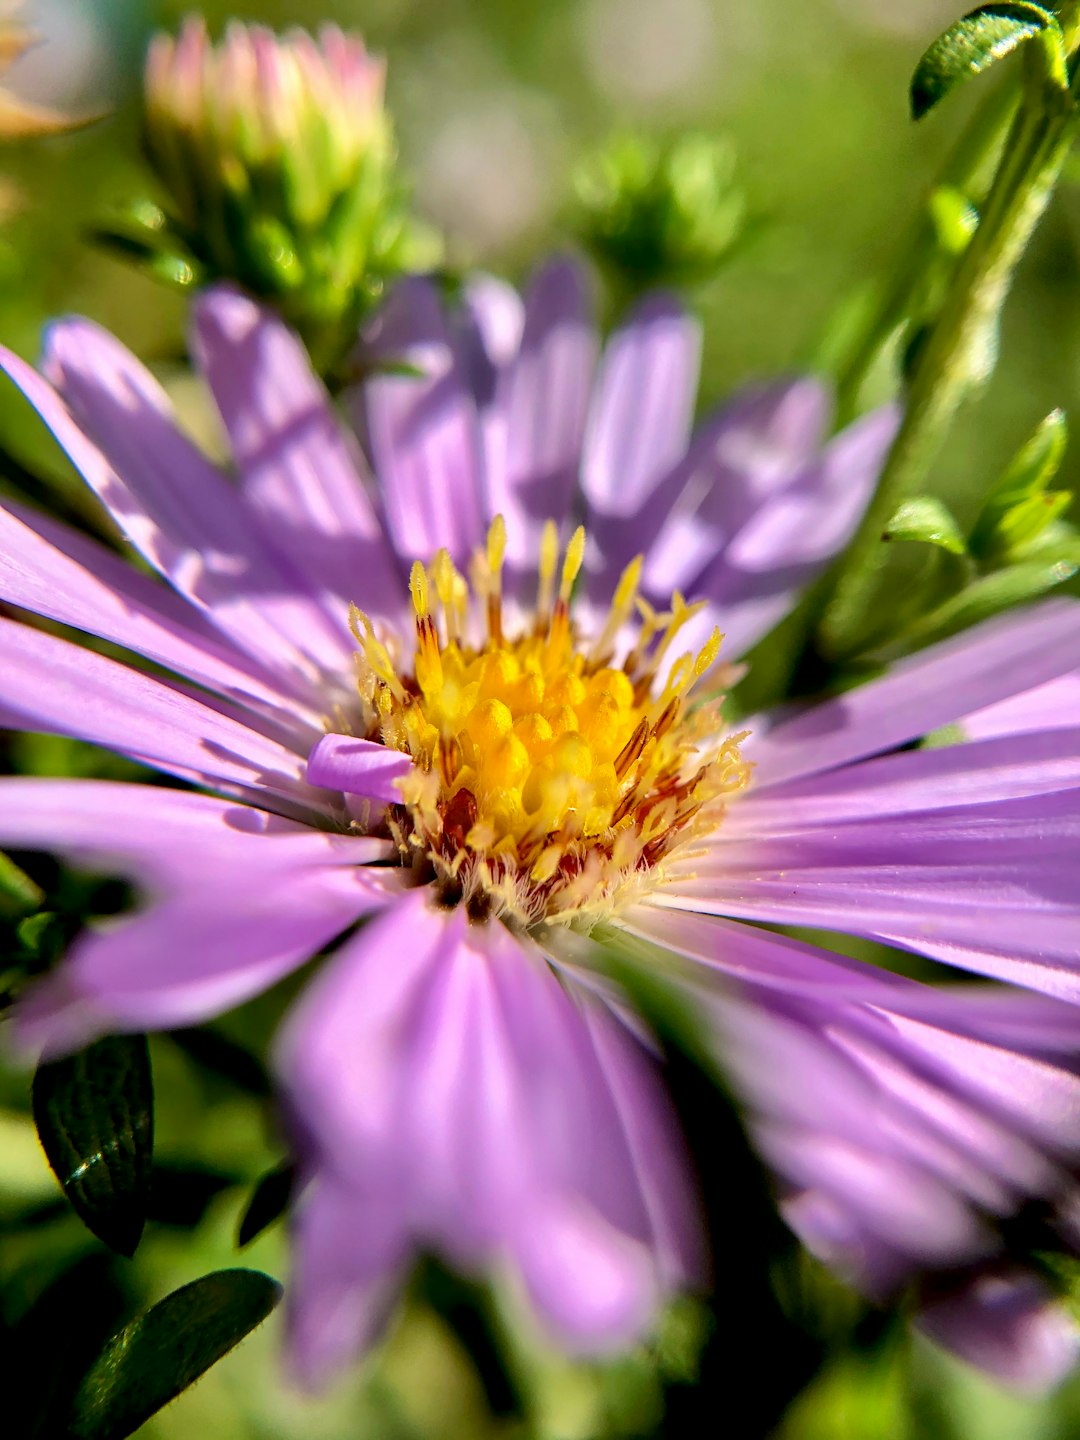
{"points": [[549, 781]]}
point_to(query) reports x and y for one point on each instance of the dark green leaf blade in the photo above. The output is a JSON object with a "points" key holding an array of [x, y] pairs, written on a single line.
{"points": [[160, 1353], [268, 1203], [972, 45], [94, 1113]]}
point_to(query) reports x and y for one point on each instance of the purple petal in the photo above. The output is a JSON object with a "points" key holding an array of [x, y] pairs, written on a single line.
{"points": [[358, 767], [53, 686], [640, 421], [492, 321], [1007, 1323], [541, 408], [986, 886], [212, 874], [345, 1277], [55, 572], [897, 1114], [757, 446], [424, 431], [785, 543], [1053, 706], [118, 427], [995, 660], [438, 1066], [302, 477]]}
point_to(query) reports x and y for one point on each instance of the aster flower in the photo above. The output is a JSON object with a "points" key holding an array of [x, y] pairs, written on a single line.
{"points": [[507, 773]]}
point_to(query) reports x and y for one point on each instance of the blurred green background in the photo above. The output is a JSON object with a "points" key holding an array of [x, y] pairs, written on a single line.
{"points": [[493, 104]]}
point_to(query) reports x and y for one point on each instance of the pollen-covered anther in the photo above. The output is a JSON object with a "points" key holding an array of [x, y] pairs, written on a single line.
{"points": [[551, 780]]}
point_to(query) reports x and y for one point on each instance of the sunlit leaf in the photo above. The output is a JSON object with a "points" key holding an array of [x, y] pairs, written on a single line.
{"points": [[926, 519], [980, 40]]}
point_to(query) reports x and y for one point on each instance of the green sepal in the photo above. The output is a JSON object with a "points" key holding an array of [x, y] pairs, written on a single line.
{"points": [[980, 40], [1025, 481], [94, 1113], [1014, 585], [160, 1353], [927, 520], [19, 895]]}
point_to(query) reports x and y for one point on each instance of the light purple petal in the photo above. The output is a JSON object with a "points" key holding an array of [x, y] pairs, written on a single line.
{"points": [[117, 426], [1053, 706], [424, 431], [897, 1114], [541, 407], [989, 887], [345, 1277], [55, 572], [755, 447], [786, 542], [492, 321], [639, 423], [440, 1066], [302, 477], [358, 767], [1006, 1322], [211, 930], [995, 660], [53, 686]]}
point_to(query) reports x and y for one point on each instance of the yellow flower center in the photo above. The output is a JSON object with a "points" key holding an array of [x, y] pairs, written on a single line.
{"points": [[550, 781]]}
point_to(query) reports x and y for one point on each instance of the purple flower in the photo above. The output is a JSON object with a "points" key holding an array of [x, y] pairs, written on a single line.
{"points": [[507, 773]]}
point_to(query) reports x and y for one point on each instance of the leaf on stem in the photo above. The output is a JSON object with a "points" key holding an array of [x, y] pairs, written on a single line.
{"points": [[926, 519], [94, 1113], [980, 40], [160, 1353]]}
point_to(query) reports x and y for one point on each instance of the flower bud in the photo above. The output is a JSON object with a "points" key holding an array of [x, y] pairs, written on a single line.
{"points": [[653, 215], [278, 158]]}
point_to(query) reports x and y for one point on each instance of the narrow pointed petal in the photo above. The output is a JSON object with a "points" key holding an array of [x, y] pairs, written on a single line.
{"points": [[995, 660], [541, 407], [898, 1115], [117, 426], [55, 572], [345, 1277], [742, 457], [358, 767], [1005, 1321], [989, 887], [787, 541], [301, 476], [1053, 706], [640, 421], [52, 686], [424, 431], [210, 929], [439, 1066]]}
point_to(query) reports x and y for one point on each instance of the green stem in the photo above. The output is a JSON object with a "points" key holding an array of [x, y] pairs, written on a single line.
{"points": [[955, 348], [966, 169]]}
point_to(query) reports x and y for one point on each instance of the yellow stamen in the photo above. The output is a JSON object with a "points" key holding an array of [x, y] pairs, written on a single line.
{"points": [[549, 780], [549, 559]]}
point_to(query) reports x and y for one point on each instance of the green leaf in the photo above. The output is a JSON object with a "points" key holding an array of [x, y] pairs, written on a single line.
{"points": [[924, 518], [1015, 585], [94, 1113], [268, 1203], [953, 217], [1021, 527], [160, 1353], [980, 40], [19, 896], [1031, 470]]}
